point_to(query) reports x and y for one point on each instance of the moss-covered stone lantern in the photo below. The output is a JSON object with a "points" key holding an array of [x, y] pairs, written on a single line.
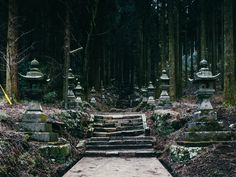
{"points": [[205, 82], [204, 128], [93, 94], [78, 90], [144, 93], [34, 121], [71, 85], [103, 92], [151, 93], [71, 79], [164, 99]]}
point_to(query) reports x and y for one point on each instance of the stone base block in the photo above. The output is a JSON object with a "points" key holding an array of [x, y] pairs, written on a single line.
{"points": [[44, 136], [33, 127], [34, 116], [204, 126], [209, 136], [58, 152]]}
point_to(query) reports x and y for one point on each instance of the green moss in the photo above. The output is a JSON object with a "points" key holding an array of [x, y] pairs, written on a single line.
{"points": [[58, 152]]}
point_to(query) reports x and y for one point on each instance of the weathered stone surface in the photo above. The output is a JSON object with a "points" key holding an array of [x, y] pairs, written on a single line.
{"points": [[118, 167], [57, 152], [34, 116], [34, 127], [44, 136], [208, 136]]}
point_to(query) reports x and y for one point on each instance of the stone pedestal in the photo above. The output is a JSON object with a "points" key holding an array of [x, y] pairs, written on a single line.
{"points": [[34, 123]]}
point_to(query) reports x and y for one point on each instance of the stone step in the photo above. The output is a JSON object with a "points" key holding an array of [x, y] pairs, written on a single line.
{"points": [[118, 142], [123, 153], [117, 116], [122, 138], [202, 143], [120, 133], [118, 146], [114, 129], [102, 124], [99, 124], [209, 136], [119, 121]]}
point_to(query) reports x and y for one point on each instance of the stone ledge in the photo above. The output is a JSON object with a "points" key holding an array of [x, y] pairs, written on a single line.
{"points": [[43, 136], [209, 136], [58, 152], [33, 127]]}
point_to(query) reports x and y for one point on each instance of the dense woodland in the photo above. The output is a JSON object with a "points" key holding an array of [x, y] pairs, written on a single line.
{"points": [[125, 42]]}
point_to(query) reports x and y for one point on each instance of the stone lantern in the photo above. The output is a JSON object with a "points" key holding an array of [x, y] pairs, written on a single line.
{"points": [[71, 79], [144, 93], [151, 89], [103, 91], [151, 93], [164, 98], [78, 90], [204, 128], [70, 94], [34, 121], [205, 82], [93, 93]]}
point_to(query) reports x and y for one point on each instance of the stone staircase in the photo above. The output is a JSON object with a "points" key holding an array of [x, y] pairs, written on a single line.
{"points": [[120, 135]]}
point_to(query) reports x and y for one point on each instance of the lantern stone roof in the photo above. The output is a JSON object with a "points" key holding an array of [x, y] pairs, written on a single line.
{"points": [[204, 72], [164, 75], [34, 73]]}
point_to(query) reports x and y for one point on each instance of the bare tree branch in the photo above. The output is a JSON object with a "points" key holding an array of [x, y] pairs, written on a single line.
{"points": [[23, 34], [76, 50]]}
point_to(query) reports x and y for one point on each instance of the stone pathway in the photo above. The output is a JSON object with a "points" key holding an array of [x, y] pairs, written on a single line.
{"points": [[118, 167]]}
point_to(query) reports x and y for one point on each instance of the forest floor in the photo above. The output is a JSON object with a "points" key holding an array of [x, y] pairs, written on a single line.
{"points": [[19, 157]]}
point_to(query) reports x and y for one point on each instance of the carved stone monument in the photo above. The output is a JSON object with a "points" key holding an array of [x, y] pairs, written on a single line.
{"points": [[151, 94], [204, 128], [70, 94], [34, 121], [164, 99], [93, 94]]}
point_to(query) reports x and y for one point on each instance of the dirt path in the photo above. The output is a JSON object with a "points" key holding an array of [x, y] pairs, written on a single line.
{"points": [[118, 167]]}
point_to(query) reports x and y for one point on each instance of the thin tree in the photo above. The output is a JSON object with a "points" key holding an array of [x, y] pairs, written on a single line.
{"points": [[229, 58], [11, 52], [66, 55]]}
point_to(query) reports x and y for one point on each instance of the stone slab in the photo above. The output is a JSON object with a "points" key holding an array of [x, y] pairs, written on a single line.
{"points": [[34, 127], [118, 167], [34, 116], [44, 136], [57, 152]]}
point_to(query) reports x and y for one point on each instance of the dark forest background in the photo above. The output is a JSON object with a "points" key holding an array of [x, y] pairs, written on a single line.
{"points": [[125, 42]]}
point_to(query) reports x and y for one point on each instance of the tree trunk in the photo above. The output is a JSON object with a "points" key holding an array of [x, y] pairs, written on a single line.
{"points": [[229, 58], [11, 66], [172, 56], [93, 12], [66, 56], [203, 47]]}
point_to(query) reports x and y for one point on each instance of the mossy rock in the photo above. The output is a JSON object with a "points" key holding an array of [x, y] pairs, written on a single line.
{"points": [[208, 136], [58, 152], [204, 126]]}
